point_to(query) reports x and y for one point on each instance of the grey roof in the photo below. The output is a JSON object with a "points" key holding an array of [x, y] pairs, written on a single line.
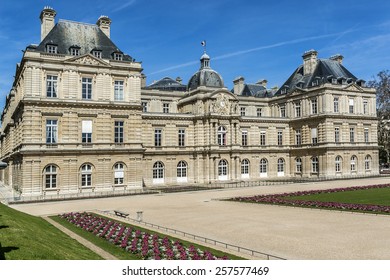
{"points": [[255, 90], [168, 84], [205, 76], [326, 70], [87, 37]]}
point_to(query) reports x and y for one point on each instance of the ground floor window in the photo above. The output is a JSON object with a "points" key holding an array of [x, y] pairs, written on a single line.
{"points": [[263, 167], [298, 165], [158, 172], [353, 163], [86, 175], [314, 165], [338, 163], [245, 168], [367, 162], [280, 167], [50, 174], [181, 171], [222, 170], [119, 174]]}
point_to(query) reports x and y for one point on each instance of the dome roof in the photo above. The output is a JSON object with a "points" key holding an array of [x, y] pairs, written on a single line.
{"points": [[205, 76]]}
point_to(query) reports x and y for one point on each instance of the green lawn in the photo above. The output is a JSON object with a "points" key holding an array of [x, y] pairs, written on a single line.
{"points": [[379, 196], [26, 237]]}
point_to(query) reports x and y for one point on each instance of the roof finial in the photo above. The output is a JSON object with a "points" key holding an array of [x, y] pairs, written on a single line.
{"points": [[203, 43]]}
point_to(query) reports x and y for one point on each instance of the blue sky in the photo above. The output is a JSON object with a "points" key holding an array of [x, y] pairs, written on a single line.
{"points": [[253, 39]]}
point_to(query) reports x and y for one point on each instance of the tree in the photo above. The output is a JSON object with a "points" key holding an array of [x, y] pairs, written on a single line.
{"points": [[382, 86]]}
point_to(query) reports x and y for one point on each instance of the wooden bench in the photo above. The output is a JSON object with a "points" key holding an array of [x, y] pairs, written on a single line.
{"points": [[120, 213]]}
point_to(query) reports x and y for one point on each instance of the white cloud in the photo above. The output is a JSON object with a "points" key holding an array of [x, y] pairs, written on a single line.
{"points": [[124, 6]]}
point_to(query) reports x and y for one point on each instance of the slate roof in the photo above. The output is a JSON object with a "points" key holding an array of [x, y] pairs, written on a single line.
{"points": [[326, 70], [87, 37], [167, 84], [255, 90]]}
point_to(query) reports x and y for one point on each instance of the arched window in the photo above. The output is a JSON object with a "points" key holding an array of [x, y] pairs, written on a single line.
{"points": [[338, 163], [314, 165], [222, 169], [221, 136], [280, 167], [86, 175], [50, 174], [353, 163], [182, 171], [298, 165], [245, 168], [367, 162], [119, 174], [158, 172], [263, 167]]}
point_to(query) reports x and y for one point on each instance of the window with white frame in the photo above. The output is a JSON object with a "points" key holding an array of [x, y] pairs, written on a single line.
{"points": [[367, 162], [353, 163], [144, 106], [86, 89], [337, 135], [280, 138], [118, 91], [50, 174], [51, 48], [365, 106], [181, 170], [157, 137], [51, 131], [119, 174], [51, 86], [352, 134], [258, 112], [335, 104], [282, 109], [243, 111], [338, 164], [158, 170], [314, 165], [244, 138], [118, 131], [117, 56], [86, 175], [222, 169], [280, 167], [181, 137], [245, 168], [298, 165], [366, 135], [314, 106], [298, 137], [86, 131], [351, 103], [298, 109], [314, 136], [263, 167], [74, 51], [262, 138], [221, 136], [97, 53]]}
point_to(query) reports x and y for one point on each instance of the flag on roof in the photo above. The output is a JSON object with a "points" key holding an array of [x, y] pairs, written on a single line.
{"points": [[203, 43]]}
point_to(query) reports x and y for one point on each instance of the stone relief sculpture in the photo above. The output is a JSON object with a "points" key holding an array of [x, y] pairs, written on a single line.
{"points": [[221, 105]]}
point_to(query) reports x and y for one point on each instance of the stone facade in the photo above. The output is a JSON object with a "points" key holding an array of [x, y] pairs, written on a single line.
{"points": [[78, 121]]}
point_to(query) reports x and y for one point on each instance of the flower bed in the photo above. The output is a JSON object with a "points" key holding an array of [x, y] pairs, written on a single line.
{"points": [[282, 199], [147, 246]]}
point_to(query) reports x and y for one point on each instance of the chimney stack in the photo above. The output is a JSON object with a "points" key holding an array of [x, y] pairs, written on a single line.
{"points": [[238, 85], [179, 80], [338, 58], [104, 23], [47, 21], [309, 62], [262, 82], [143, 80]]}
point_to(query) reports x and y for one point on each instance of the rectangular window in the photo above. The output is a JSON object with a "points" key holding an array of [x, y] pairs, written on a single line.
{"points": [[144, 106], [182, 136], [157, 137], [298, 109], [351, 105], [352, 135], [366, 135], [336, 105], [97, 54], [262, 138], [86, 131], [51, 49], [118, 56], [74, 51], [51, 131], [86, 180], [314, 108], [118, 91], [86, 88], [314, 137], [166, 108], [243, 111], [298, 139], [365, 106], [244, 138], [258, 112], [283, 111], [51, 86], [337, 135], [118, 131], [280, 138]]}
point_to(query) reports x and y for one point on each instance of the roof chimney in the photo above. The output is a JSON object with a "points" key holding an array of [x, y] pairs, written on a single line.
{"points": [[179, 80], [47, 21], [337, 57], [262, 82], [309, 62], [238, 85], [104, 23]]}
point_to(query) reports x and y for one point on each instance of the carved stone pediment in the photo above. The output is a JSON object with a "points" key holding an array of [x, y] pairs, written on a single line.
{"points": [[221, 105], [87, 60], [353, 87]]}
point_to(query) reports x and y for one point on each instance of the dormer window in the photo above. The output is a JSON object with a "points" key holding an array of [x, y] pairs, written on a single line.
{"points": [[50, 48], [74, 50], [97, 53], [117, 56]]}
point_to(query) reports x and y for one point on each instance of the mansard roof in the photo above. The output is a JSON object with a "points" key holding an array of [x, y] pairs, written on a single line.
{"points": [[167, 84], [255, 90], [326, 71], [66, 34]]}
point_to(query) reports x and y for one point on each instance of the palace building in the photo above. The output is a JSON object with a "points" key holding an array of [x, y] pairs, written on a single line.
{"points": [[80, 118]]}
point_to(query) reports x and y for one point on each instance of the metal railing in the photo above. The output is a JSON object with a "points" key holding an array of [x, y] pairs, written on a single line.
{"points": [[195, 237]]}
